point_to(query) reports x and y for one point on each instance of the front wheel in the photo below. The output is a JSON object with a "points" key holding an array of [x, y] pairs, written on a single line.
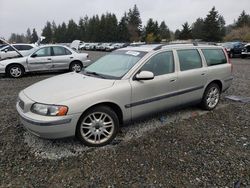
{"points": [[97, 127], [211, 97], [15, 71], [75, 67]]}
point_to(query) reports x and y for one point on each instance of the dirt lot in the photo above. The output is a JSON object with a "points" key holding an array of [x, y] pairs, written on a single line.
{"points": [[181, 148]]}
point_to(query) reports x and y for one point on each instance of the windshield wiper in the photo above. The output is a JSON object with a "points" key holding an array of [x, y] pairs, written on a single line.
{"points": [[95, 74]]}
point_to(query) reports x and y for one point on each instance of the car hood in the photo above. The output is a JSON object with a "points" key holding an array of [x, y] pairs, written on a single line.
{"points": [[13, 60], [64, 87]]}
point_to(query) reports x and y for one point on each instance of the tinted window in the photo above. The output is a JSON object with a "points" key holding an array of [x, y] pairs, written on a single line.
{"points": [[44, 52], [160, 64], [26, 47], [214, 56], [18, 47], [189, 59]]}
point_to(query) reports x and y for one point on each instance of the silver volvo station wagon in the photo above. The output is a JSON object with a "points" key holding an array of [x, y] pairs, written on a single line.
{"points": [[126, 84]]}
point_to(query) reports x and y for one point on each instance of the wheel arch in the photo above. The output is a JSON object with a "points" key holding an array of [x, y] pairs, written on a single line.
{"points": [[75, 61], [218, 82], [111, 105], [11, 64]]}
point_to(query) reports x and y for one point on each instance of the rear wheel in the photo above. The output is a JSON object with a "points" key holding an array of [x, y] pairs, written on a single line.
{"points": [[15, 71], [98, 126], [75, 67], [211, 97]]}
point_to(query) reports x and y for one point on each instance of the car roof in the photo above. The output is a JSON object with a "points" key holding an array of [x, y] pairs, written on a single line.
{"points": [[154, 47]]}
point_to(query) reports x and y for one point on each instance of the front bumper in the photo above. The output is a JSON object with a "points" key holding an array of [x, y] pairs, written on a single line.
{"points": [[46, 126]]}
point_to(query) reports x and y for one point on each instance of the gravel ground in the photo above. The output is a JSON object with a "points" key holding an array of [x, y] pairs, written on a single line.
{"points": [[181, 148]]}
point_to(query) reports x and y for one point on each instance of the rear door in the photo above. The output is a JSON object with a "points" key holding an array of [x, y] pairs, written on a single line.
{"points": [[192, 75], [40, 60], [150, 96], [61, 58]]}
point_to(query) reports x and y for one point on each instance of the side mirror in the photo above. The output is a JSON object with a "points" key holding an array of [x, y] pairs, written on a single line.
{"points": [[6, 50], [144, 75], [33, 55]]}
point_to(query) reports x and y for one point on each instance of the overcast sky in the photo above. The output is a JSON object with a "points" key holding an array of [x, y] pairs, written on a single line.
{"points": [[18, 15]]}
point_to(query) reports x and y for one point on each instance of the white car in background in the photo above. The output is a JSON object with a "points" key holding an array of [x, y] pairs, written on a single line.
{"points": [[8, 51], [45, 58]]}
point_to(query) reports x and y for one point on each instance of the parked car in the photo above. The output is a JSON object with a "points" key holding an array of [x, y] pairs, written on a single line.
{"points": [[45, 58], [8, 52], [75, 45], [126, 84], [245, 51], [233, 48]]}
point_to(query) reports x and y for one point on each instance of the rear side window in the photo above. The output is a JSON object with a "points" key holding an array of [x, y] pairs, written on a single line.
{"points": [[189, 59], [162, 63], [214, 56], [26, 47]]}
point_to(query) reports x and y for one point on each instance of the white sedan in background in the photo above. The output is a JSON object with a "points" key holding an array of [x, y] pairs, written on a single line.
{"points": [[45, 58]]}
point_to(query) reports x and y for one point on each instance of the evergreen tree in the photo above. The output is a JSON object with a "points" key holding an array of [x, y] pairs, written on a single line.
{"points": [[243, 20], [47, 32], [177, 34], [28, 35], [134, 24], [164, 31], [123, 34], [72, 31], [54, 29], [151, 31], [186, 32], [34, 36], [197, 29], [212, 27], [82, 29]]}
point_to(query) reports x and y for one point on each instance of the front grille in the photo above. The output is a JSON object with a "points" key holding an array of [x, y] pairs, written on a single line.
{"points": [[21, 104]]}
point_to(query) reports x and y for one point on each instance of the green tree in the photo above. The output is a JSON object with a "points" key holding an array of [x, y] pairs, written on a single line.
{"points": [[123, 34], [82, 29], [197, 29], [28, 35], [186, 32], [72, 32], [34, 36], [164, 31], [134, 24], [243, 20], [212, 26], [177, 34], [47, 32], [151, 31]]}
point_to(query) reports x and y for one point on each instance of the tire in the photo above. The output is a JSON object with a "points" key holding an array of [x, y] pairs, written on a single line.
{"points": [[243, 56], [211, 97], [97, 127], [15, 71], [75, 66]]}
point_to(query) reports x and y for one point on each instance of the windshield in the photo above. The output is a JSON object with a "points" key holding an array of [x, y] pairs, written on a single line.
{"points": [[115, 65], [29, 52]]}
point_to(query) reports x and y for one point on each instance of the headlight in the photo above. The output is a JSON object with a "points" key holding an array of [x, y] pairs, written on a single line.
{"points": [[49, 110]]}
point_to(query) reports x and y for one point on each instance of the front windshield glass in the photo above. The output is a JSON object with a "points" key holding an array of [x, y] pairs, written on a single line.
{"points": [[115, 64], [29, 52]]}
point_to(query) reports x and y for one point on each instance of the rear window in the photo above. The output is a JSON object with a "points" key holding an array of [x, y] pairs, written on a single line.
{"points": [[214, 56]]}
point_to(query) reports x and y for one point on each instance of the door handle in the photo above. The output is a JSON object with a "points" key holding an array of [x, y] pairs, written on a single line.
{"points": [[71, 57], [203, 73], [49, 59], [173, 80]]}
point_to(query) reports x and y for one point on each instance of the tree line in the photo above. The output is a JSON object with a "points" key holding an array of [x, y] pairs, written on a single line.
{"points": [[107, 28]]}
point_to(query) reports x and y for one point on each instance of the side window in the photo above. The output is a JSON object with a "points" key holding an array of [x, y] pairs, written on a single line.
{"points": [[43, 52], [189, 59], [18, 47], [26, 47], [162, 63], [59, 51], [214, 56], [248, 48]]}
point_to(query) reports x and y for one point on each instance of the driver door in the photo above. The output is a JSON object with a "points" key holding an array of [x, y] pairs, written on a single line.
{"points": [[40, 60], [157, 94]]}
